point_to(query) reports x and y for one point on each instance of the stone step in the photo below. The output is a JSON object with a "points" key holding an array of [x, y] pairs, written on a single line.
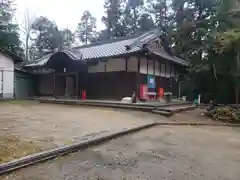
{"points": [[176, 109], [163, 113]]}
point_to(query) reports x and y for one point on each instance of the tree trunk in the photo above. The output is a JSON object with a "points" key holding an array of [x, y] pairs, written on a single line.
{"points": [[27, 47], [237, 78], [86, 33], [135, 19]]}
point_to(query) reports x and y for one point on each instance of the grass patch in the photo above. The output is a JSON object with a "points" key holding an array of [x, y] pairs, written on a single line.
{"points": [[12, 148], [18, 102]]}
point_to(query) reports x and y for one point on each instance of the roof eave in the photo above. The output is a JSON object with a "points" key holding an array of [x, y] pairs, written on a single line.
{"points": [[14, 56], [171, 58]]}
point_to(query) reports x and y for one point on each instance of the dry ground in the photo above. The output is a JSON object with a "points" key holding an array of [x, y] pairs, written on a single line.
{"points": [[164, 152], [192, 116], [27, 126]]}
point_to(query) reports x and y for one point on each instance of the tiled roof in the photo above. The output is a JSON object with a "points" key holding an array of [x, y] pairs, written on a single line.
{"points": [[14, 56], [92, 52], [71, 53], [110, 49], [165, 55]]}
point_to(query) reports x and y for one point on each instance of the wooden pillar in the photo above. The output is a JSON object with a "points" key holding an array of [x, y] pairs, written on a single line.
{"points": [[154, 64], [147, 65], [165, 70], [54, 84], [77, 84], [138, 77], [179, 88], [66, 85], [126, 64]]}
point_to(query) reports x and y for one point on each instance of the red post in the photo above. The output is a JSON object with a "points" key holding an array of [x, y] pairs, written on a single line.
{"points": [[143, 91], [84, 96], [160, 92]]}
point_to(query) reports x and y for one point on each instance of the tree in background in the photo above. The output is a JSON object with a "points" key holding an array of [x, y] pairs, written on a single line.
{"points": [[26, 29], [9, 37], [159, 10], [48, 38], [228, 37], [134, 5], [86, 30], [67, 38], [112, 19], [145, 22]]}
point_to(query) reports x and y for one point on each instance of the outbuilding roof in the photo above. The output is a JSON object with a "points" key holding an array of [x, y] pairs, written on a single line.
{"points": [[14, 56], [111, 48]]}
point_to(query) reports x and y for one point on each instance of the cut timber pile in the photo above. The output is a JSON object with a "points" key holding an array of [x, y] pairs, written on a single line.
{"points": [[224, 113]]}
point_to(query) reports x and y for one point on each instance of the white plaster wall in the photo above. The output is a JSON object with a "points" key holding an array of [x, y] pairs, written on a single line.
{"points": [[132, 64], [6, 76], [99, 67], [176, 74], [143, 65], [163, 74], [150, 67], [116, 65], [172, 71], [111, 65], [157, 68], [167, 70]]}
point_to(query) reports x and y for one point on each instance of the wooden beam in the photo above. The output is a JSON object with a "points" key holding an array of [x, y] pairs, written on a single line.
{"points": [[54, 84], [160, 68], [77, 84], [147, 65], [165, 69], [126, 64], [154, 73], [138, 77], [170, 66]]}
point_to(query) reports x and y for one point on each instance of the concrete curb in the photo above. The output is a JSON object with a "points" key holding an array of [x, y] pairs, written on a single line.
{"points": [[166, 112], [184, 109], [197, 124], [46, 155], [141, 107]]}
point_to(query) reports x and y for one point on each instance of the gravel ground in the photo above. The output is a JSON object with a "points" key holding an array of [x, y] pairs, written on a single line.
{"points": [[164, 152], [27, 127]]}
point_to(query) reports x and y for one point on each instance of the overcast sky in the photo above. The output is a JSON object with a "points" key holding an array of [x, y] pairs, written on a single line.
{"points": [[66, 13]]}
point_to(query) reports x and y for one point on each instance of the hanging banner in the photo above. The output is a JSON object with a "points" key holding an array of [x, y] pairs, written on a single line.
{"points": [[151, 82]]}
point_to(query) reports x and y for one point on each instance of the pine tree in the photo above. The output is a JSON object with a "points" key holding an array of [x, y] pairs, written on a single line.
{"points": [[86, 30], [9, 37]]}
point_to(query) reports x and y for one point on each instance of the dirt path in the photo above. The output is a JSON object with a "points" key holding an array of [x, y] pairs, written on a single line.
{"points": [[172, 153], [29, 127]]}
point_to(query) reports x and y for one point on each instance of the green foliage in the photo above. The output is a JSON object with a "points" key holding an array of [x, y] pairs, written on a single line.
{"points": [[9, 37], [224, 113], [86, 30], [48, 38]]}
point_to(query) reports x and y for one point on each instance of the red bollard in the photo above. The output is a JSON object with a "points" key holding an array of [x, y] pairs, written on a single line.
{"points": [[160, 92], [84, 96]]}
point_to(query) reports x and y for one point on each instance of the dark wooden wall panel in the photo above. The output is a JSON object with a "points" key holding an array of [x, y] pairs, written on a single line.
{"points": [[110, 85]]}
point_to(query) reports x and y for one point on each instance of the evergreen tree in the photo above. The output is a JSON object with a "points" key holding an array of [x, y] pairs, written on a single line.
{"points": [[9, 37], [112, 18], [86, 30]]}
